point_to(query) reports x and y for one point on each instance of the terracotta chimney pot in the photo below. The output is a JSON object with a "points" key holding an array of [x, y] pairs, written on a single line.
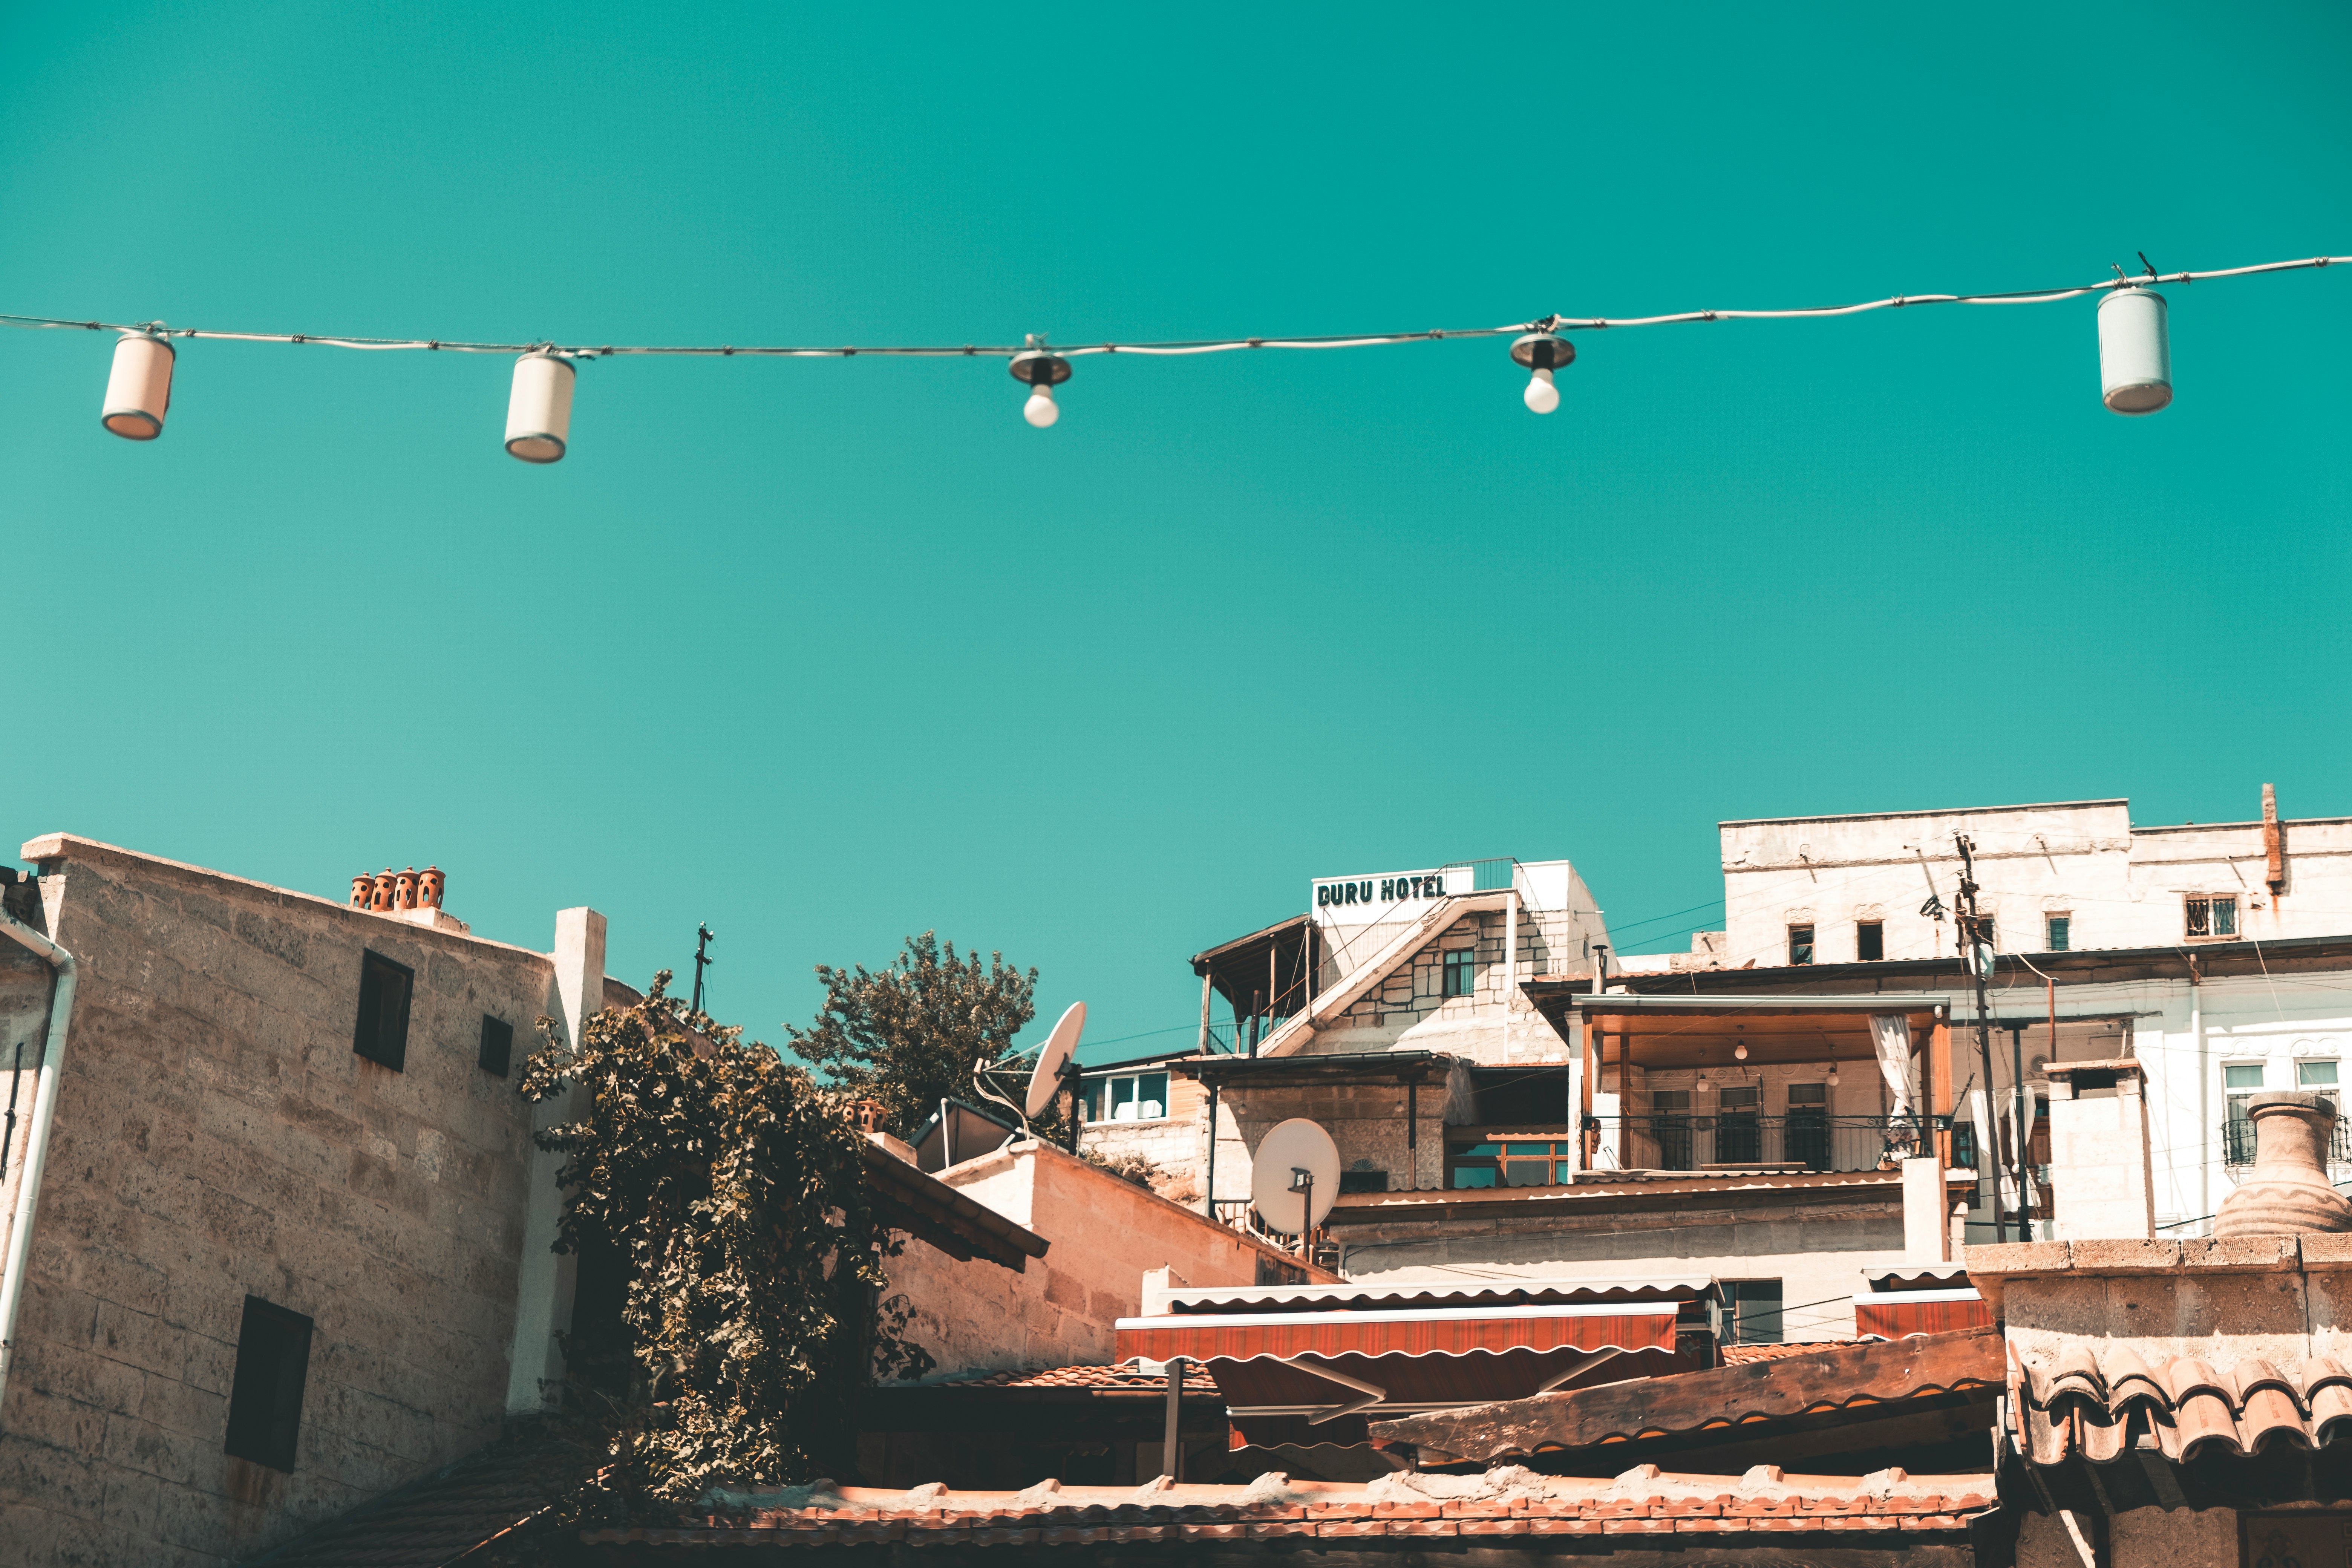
{"points": [[363, 890], [429, 884], [382, 900], [403, 890], [2288, 1192]]}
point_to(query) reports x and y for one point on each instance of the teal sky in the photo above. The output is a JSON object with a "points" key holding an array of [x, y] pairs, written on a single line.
{"points": [[825, 653]]}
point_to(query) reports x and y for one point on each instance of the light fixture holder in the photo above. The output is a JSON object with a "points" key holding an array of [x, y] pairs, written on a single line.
{"points": [[1543, 350], [1039, 367]]}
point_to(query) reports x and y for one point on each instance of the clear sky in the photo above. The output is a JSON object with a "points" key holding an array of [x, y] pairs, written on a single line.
{"points": [[825, 653]]}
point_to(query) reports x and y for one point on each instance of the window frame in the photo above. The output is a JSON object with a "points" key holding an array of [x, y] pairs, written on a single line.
{"points": [[1876, 938], [1102, 1099], [1809, 942], [1457, 963], [2210, 904], [495, 1056], [2057, 930], [366, 1033], [266, 1384]]}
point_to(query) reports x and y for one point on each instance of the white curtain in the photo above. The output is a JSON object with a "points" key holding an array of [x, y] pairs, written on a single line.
{"points": [[1891, 1033], [1989, 1148], [2019, 1153]]}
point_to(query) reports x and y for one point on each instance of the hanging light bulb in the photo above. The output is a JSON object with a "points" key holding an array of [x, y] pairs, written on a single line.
{"points": [[539, 409], [1542, 353], [139, 388], [1701, 1080], [1739, 1051], [1832, 1075], [2135, 352], [1043, 372]]}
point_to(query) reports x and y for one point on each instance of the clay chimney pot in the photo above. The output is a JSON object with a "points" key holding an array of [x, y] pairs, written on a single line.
{"points": [[429, 884], [382, 900], [403, 890], [363, 890]]}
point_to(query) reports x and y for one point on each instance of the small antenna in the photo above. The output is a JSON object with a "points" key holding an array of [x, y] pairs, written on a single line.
{"points": [[703, 937]]}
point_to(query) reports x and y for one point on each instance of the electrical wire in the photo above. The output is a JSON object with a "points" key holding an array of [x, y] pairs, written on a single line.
{"points": [[1553, 323]]}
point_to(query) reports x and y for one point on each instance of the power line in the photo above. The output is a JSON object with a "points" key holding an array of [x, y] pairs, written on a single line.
{"points": [[1553, 323]]}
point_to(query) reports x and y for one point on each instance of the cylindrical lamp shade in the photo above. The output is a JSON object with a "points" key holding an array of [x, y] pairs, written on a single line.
{"points": [[539, 413], [2135, 355], [139, 389]]}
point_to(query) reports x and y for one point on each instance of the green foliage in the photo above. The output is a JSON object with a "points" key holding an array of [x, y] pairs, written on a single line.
{"points": [[733, 1188], [908, 1036]]}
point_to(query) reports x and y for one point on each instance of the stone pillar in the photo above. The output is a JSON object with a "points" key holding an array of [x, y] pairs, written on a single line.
{"points": [[1927, 1221], [2099, 1175], [545, 1279]]}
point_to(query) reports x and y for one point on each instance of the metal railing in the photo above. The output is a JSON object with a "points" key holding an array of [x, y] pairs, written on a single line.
{"points": [[2238, 1142], [1233, 1038], [1814, 1141]]}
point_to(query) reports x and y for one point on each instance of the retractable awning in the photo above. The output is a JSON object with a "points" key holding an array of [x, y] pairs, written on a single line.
{"points": [[1313, 1377], [1904, 1314]]}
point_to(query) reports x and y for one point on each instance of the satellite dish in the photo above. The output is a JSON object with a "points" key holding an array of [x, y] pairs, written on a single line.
{"points": [[1277, 1190], [1045, 1079]]}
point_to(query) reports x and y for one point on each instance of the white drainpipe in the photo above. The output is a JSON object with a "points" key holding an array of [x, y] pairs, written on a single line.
{"points": [[36, 1144]]}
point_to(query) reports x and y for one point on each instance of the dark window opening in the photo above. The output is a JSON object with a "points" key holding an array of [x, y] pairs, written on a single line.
{"points": [[1363, 1181], [2212, 916], [1807, 1136], [1869, 939], [2060, 930], [1461, 972], [1738, 1131], [1751, 1313], [498, 1044], [265, 1400], [381, 1035], [1801, 944], [1519, 1097]]}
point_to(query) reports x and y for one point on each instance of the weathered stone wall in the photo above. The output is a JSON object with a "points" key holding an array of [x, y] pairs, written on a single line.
{"points": [[1173, 1144], [1063, 1309], [216, 1136]]}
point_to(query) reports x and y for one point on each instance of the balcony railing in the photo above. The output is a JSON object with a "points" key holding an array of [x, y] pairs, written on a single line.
{"points": [[1814, 1142], [2238, 1142]]}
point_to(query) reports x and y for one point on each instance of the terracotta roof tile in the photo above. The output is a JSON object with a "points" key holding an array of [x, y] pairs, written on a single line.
{"points": [[1123, 1377], [2098, 1398]]}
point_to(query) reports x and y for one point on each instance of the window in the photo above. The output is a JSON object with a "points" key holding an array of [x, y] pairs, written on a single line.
{"points": [[498, 1045], [1141, 1098], [265, 1397], [2319, 1076], [1739, 1137], [2240, 1083], [1808, 1135], [2057, 931], [1751, 1312], [1801, 944], [381, 1035], [2213, 915], [1869, 939], [1461, 972], [1670, 1123], [1472, 1165]]}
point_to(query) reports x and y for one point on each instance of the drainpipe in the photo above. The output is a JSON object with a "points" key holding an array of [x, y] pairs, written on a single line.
{"points": [[2204, 1090], [36, 1144]]}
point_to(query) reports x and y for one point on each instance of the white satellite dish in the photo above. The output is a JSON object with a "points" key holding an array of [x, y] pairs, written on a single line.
{"points": [[1045, 1079], [1293, 1164]]}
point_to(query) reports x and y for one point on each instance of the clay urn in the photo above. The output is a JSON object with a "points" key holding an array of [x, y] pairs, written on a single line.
{"points": [[2288, 1191], [429, 883], [363, 891], [403, 890], [384, 883]]}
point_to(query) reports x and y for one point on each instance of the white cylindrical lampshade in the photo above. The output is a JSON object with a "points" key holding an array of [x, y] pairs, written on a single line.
{"points": [[2135, 355], [539, 411], [139, 389]]}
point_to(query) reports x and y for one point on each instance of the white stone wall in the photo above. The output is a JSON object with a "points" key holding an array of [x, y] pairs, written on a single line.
{"points": [[2120, 886]]}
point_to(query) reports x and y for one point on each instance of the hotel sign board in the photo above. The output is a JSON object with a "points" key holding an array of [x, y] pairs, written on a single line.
{"points": [[1393, 895]]}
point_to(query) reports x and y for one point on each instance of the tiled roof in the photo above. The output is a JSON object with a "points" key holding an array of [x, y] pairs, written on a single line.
{"points": [[1125, 1376], [1503, 1502], [1740, 1355], [445, 1516], [2101, 1399]]}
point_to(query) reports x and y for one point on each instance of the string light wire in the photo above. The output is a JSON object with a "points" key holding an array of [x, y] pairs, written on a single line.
{"points": [[1555, 323]]}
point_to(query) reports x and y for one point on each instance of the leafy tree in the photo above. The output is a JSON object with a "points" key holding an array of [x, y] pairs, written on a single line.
{"points": [[732, 1186], [908, 1035]]}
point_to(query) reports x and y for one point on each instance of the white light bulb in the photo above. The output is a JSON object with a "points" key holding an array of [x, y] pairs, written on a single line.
{"points": [[1740, 1051], [1832, 1077], [1040, 410], [1702, 1083], [1541, 395]]}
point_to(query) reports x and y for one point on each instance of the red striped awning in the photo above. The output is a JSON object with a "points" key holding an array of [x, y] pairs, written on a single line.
{"points": [[1456, 1330], [1902, 1314]]}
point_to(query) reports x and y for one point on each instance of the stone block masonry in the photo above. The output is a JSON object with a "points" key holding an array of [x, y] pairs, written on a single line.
{"points": [[218, 1137]]}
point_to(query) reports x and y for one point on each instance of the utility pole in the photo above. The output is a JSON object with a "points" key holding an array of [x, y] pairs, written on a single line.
{"points": [[702, 960], [1972, 943]]}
